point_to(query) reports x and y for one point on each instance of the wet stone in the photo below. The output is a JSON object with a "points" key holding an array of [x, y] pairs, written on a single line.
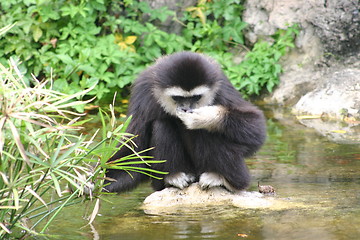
{"points": [[173, 200]]}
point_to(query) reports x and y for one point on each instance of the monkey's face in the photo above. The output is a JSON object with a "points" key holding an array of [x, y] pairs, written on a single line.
{"points": [[175, 99]]}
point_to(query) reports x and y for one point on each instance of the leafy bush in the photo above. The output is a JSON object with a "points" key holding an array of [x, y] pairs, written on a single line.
{"points": [[107, 43], [214, 25], [261, 66], [82, 42], [42, 151]]}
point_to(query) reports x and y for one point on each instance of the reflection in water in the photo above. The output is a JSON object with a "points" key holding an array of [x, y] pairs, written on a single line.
{"points": [[302, 165]]}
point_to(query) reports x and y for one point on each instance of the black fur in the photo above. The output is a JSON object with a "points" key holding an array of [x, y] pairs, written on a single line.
{"points": [[240, 135]]}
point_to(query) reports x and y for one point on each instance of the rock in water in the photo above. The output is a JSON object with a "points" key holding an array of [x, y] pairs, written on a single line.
{"points": [[173, 200]]}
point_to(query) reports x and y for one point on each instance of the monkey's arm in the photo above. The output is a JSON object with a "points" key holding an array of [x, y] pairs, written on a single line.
{"points": [[245, 126]]}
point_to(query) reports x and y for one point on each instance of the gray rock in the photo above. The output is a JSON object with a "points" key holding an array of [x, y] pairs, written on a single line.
{"points": [[332, 25], [173, 200], [337, 24], [339, 92], [322, 75]]}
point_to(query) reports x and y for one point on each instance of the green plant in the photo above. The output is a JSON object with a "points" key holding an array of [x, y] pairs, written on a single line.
{"points": [[81, 40], [260, 68], [214, 25], [106, 44], [42, 151]]}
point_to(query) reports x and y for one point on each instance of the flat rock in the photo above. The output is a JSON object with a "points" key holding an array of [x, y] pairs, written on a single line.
{"points": [[173, 200]]}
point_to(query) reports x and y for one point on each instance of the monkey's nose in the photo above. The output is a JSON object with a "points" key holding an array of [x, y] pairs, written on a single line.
{"points": [[185, 109], [188, 110]]}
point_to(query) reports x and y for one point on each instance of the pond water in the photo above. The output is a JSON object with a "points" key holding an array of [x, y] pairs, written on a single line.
{"points": [[303, 166]]}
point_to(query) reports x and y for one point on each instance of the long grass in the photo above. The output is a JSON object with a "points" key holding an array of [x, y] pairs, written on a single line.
{"points": [[43, 153]]}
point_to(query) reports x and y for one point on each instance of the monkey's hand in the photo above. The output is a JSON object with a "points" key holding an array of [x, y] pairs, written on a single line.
{"points": [[208, 117]]}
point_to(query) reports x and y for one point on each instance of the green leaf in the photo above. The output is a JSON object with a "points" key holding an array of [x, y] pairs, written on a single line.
{"points": [[65, 58], [56, 184], [37, 33]]}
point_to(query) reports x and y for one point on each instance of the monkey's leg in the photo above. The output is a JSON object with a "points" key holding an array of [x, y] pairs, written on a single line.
{"points": [[220, 162], [120, 180], [168, 146]]}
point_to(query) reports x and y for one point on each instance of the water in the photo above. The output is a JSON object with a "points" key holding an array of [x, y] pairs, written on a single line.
{"points": [[321, 176]]}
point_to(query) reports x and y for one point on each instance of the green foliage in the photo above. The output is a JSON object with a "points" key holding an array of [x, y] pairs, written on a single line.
{"points": [[107, 43], [42, 152], [261, 66], [79, 40], [214, 25]]}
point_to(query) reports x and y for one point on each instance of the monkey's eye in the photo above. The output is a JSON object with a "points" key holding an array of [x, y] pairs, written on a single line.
{"points": [[177, 98], [196, 98]]}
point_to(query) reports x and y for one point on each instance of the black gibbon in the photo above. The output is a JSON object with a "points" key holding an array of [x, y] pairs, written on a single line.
{"points": [[186, 108]]}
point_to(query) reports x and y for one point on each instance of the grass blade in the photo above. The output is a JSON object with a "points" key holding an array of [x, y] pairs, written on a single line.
{"points": [[95, 211], [56, 184], [18, 142]]}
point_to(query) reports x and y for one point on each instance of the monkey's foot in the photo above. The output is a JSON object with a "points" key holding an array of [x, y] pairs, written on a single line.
{"points": [[180, 180], [210, 179]]}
